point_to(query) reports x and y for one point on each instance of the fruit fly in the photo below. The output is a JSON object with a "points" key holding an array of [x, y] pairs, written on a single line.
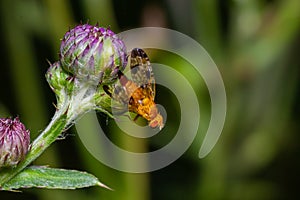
{"points": [[138, 94]]}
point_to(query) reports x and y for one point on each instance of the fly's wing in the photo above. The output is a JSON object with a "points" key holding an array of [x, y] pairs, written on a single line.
{"points": [[119, 104], [141, 70]]}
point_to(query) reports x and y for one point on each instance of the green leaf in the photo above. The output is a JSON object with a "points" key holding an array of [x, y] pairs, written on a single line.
{"points": [[51, 178]]}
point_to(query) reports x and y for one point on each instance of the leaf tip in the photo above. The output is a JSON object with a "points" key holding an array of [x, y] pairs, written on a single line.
{"points": [[104, 186]]}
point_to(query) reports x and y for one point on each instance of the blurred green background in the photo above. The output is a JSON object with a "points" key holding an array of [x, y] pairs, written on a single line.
{"points": [[255, 44]]}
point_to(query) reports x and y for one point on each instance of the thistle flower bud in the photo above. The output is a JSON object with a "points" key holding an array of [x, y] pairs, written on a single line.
{"points": [[14, 141], [92, 53], [57, 78], [60, 81]]}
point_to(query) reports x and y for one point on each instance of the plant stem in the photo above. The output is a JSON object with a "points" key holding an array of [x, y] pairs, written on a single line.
{"points": [[40, 144], [72, 108]]}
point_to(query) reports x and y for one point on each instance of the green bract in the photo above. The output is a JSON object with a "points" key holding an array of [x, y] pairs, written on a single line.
{"points": [[60, 82]]}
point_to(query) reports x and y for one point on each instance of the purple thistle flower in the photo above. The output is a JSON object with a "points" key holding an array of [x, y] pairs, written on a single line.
{"points": [[14, 141], [92, 53]]}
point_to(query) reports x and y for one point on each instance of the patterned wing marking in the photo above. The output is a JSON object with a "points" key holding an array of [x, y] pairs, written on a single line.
{"points": [[141, 70]]}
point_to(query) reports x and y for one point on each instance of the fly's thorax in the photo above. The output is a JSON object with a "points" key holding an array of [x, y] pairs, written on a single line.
{"points": [[146, 109], [141, 105]]}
